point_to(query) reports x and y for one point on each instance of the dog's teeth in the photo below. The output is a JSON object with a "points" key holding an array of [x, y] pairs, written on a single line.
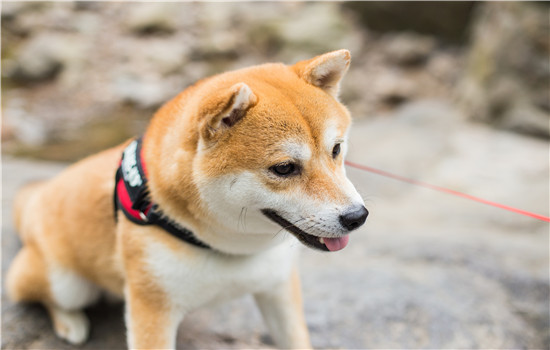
{"points": [[321, 240]]}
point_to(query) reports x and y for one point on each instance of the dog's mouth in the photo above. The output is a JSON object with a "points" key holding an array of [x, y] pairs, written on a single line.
{"points": [[321, 243]]}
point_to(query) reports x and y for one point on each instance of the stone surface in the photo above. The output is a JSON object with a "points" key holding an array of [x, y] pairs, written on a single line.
{"points": [[506, 87], [447, 21], [152, 18], [409, 48], [428, 270], [44, 56], [68, 66]]}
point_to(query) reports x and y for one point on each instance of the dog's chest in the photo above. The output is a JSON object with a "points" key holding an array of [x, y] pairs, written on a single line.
{"points": [[209, 277]]}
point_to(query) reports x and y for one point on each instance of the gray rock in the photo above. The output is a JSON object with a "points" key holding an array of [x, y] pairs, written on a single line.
{"points": [[151, 18], [320, 31], [38, 60], [144, 92], [393, 88], [44, 56], [24, 127], [526, 119], [447, 21], [409, 49], [12, 9], [509, 88]]}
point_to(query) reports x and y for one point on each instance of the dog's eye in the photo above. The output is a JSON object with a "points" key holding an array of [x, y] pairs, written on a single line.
{"points": [[284, 169], [336, 150]]}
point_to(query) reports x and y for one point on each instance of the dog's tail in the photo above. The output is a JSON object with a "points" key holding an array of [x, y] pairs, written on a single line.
{"points": [[20, 206]]}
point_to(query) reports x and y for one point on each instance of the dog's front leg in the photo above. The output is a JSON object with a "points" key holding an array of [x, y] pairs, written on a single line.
{"points": [[282, 310], [150, 322]]}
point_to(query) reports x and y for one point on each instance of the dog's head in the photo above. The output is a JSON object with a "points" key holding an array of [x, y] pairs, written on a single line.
{"points": [[270, 148]]}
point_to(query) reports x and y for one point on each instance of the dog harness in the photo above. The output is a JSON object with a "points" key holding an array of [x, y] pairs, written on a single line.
{"points": [[131, 195]]}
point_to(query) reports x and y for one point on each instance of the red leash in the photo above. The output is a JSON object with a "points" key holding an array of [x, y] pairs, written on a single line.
{"points": [[446, 190]]}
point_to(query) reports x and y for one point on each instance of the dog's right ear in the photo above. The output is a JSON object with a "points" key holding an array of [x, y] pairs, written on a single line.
{"points": [[224, 109], [325, 71]]}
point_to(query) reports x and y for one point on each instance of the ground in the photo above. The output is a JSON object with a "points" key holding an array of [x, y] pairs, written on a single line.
{"points": [[428, 270]]}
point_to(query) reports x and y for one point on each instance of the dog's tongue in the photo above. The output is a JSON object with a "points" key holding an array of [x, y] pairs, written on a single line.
{"points": [[334, 244]]}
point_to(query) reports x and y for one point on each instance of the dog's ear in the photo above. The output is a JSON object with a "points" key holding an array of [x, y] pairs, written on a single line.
{"points": [[224, 109], [325, 71]]}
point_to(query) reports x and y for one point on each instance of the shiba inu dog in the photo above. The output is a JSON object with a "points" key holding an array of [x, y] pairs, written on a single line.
{"points": [[200, 209]]}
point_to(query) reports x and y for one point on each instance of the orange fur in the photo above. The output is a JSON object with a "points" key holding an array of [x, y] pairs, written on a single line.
{"points": [[67, 223]]}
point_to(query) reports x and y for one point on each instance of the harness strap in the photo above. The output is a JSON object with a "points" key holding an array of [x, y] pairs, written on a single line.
{"points": [[131, 195]]}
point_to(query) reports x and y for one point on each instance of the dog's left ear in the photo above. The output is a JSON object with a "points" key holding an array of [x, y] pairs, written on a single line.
{"points": [[226, 108], [325, 71]]}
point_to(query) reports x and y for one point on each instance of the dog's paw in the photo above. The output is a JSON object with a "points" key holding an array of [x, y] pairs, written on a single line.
{"points": [[72, 326]]}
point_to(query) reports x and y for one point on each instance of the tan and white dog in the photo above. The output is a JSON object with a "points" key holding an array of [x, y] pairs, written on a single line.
{"points": [[238, 160]]}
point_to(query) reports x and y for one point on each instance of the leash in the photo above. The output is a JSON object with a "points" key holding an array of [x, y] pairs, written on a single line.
{"points": [[445, 190]]}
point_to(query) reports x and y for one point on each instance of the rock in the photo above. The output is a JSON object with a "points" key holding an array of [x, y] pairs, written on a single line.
{"points": [[24, 128], [393, 88], [526, 120], [152, 18], [506, 87], [44, 56], [13, 9], [428, 270], [447, 21], [409, 49], [308, 29], [493, 292], [38, 60], [319, 31], [86, 23], [445, 66], [165, 58], [144, 92]]}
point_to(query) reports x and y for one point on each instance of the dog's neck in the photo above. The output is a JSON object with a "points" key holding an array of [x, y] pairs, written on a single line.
{"points": [[169, 155]]}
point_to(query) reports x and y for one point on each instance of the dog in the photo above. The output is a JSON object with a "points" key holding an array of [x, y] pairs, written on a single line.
{"points": [[208, 205]]}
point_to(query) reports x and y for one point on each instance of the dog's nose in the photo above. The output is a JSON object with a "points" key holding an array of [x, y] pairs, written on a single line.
{"points": [[355, 218]]}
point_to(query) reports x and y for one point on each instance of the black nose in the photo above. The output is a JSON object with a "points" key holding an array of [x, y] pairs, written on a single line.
{"points": [[355, 218]]}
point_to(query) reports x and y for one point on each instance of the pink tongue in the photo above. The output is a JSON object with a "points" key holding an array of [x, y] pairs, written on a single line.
{"points": [[334, 244]]}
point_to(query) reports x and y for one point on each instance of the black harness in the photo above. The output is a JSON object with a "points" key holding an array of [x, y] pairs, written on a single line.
{"points": [[131, 195]]}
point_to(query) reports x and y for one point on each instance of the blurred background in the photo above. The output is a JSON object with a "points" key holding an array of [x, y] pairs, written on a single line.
{"points": [[99, 69], [453, 93]]}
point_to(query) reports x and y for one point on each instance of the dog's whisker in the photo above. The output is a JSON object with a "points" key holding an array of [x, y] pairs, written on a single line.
{"points": [[240, 220], [284, 229]]}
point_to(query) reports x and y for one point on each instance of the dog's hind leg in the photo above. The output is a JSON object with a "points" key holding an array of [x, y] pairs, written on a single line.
{"points": [[70, 294], [27, 279], [72, 326], [62, 292]]}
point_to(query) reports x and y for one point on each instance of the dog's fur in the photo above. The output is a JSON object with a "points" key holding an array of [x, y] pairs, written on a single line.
{"points": [[210, 155]]}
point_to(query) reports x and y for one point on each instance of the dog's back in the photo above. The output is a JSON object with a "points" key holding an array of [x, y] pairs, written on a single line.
{"points": [[24, 196]]}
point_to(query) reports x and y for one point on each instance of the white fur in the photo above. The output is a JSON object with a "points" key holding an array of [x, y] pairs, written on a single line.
{"points": [[335, 65], [338, 65], [226, 195], [73, 326], [70, 290], [191, 281], [243, 98], [297, 150], [331, 136], [237, 199]]}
